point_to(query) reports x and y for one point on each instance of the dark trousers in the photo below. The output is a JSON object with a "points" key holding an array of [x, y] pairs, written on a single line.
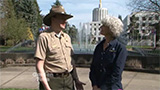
{"points": [[59, 83]]}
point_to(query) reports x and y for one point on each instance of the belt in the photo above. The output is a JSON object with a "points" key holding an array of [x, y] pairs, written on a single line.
{"points": [[64, 74]]}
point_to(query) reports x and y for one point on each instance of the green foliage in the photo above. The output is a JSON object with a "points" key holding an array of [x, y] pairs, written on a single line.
{"points": [[58, 3], [14, 30], [15, 89], [72, 32], [144, 47], [5, 48], [120, 17], [19, 15], [29, 10], [9, 43]]}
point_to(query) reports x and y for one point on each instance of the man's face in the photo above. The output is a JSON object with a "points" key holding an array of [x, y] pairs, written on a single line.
{"points": [[60, 21]]}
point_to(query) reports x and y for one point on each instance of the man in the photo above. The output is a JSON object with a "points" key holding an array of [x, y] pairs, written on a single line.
{"points": [[53, 54]]}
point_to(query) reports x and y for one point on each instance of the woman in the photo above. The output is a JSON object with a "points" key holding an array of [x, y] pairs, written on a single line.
{"points": [[109, 57]]}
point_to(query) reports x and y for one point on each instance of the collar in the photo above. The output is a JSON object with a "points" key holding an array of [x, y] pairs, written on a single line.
{"points": [[111, 42], [53, 34]]}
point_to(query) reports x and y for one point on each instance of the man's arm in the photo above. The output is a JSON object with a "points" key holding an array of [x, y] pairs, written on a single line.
{"points": [[41, 74], [79, 84], [74, 72]]}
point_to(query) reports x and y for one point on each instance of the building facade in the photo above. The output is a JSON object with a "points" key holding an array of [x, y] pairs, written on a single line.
{"points": [[92, 28], [99, 14], [140, 29]]}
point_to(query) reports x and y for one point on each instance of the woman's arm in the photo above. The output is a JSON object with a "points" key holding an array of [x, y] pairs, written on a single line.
{"points": [[118, 66]]}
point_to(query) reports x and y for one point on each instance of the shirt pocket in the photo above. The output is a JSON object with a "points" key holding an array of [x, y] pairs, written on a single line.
{"points": [[68, 48], [109, 57], [54, 52]]}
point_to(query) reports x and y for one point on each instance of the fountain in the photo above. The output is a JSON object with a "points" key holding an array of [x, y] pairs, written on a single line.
{"points": [[18, 45]]}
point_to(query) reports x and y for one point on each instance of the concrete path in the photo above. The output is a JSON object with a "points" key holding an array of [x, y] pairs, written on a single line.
{"points": [[26, 77]]}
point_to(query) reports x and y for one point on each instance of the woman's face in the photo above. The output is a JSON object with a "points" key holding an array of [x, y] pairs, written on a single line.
{"points": [[104, 30]]}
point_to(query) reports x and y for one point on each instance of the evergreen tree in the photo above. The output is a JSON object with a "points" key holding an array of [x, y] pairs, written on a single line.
{"points": [[58, 3], [29, 10], [120, 17], [72, 32], [15, 29]]}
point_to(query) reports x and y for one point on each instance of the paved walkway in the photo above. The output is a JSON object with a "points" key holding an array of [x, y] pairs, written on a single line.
{"points": [[25, 77]]}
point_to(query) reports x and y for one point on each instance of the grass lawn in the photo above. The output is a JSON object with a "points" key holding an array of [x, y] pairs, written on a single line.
{"points": [[144, 47], [5, 48], [15, 89]]}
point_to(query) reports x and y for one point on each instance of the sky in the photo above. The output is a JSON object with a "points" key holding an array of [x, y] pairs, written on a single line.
{"points": [[82, 9]]}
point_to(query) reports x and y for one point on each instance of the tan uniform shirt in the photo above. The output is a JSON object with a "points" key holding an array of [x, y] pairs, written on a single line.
{"points": [[55, 51]]}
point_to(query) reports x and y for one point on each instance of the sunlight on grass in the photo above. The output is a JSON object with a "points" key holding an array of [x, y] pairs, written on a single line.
{"points": [[16, 89], [5, 48]]}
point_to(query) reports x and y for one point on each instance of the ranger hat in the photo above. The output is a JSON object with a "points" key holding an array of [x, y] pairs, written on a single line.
{"points": [[55, 10]]}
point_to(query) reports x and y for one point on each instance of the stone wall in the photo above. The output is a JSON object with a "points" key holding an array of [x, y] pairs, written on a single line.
{"points": [[84, 60]]}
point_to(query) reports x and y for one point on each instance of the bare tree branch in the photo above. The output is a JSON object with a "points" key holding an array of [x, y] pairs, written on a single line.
{"points": [[145, 5]]}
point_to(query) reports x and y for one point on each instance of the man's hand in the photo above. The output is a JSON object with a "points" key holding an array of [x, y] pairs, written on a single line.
{"points": [[79, 85], [95, 88]]}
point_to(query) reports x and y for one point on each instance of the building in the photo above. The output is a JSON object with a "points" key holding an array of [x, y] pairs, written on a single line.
{"points": [[99, 13], [139, 26], [92, 28]]}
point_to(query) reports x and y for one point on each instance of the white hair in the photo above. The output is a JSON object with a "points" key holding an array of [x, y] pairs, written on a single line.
{"points": [[115, 25]]}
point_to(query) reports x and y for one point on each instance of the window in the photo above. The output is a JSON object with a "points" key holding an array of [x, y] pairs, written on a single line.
{"points": [[137, 25], [143, 24], [99, 38], [143, 18], [137, 18], [150, 18], [156, 17], [143, 31], [150, 24]]}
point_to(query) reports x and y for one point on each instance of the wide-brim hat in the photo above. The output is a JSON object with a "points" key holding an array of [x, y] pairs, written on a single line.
{"points": [[56, 10]]}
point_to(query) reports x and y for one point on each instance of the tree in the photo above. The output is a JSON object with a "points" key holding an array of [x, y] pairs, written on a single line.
{"points": [[29, 10], [14, 30], [29, 35], [72, 32], [145, 5], [58, 3], [120, 17]]}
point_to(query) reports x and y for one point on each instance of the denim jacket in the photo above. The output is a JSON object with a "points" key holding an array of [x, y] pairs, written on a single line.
{"points": [[107, 65]]}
